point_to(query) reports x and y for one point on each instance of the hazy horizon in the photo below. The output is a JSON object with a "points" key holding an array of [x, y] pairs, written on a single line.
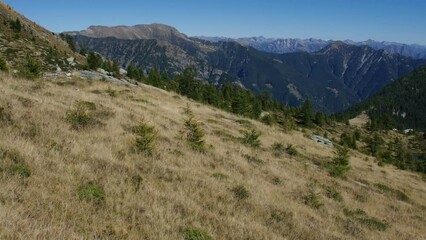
{"points": [[390, 21]]}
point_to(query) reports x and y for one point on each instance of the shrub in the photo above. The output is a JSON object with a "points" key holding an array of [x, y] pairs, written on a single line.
{"points": [[145, 136], [22, 170], [5, 116], [31, 69], [241, 192], [136, 182], [340, 164], [251, 138], [374, 224], [111, 92], [397, 193], [278, 149], [312, 199], [192, 233], [91, 193], [292, 151], [193, 132], [79, 117], [3, 65], [332, 193]]}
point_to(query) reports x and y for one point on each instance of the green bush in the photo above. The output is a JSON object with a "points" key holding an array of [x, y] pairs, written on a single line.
{"points": [[340, 164], [111, 92], [80, 117], [251, 138], [91, 193], [3, 65], [241, 192], [397, 193], [5, 116], [193, 132], [22, 170], [292, 151], [312, 199], [278, 149], [31, 69], [374, 224], [193, 233], [145, 137], [332, 193]]}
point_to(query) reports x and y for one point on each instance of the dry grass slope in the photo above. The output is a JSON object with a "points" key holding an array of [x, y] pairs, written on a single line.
{"points": [[63, 182]]}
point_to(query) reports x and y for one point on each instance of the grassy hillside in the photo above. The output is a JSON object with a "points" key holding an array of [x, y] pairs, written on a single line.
{"points": [[70, 169], [22, 39]]}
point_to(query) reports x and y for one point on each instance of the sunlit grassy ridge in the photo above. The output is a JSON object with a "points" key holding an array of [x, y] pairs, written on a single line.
{"points": [[69, 169]]}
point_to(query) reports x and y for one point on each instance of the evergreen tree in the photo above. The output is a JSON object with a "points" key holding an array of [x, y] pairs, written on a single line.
{"points": [[306, 113], [319, 119], [94, 61], [16, 25], [3, 65], [193, 132]]}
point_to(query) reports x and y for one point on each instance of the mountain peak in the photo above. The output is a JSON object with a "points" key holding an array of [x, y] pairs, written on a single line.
{"points": [[141, 31]]}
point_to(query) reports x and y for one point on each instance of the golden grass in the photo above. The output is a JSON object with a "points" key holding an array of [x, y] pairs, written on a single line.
{"points": [[179, 187]]}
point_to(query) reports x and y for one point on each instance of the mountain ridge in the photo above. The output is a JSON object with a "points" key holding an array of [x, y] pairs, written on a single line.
{"points": [[341, 78]]}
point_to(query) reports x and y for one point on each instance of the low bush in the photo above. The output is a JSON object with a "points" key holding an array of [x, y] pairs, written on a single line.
{"points": [[332, 193], [312, 199], [193, 132], [291, 150], [251, 138], [145, 137], [80, 117], [241, 192]]}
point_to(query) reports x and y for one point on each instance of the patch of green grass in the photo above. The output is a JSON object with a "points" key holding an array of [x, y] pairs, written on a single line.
{"points": [[374, 224], [193, 233], [91, 192], [241, 192], [22, 170], [397, 193]]}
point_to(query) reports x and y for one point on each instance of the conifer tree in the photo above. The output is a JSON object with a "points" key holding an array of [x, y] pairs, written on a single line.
{"points": [[193, 132]]}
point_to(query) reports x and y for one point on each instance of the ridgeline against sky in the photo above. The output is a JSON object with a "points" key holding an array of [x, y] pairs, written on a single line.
{"points": [[381, 20]]}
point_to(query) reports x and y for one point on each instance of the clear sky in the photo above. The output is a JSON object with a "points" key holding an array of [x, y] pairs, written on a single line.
{"points": [[390, 20]]}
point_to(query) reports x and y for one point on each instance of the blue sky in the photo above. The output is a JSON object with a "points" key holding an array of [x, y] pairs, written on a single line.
{"points": [[390, 20]]}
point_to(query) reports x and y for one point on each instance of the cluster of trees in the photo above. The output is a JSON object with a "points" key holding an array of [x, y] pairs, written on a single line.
{"points": [[69, 40], [230, 97], [95, 61], [16, 25], [401, 104], [394, 152]]}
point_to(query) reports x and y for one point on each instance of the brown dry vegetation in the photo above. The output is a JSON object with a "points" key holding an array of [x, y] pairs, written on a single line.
{"points": [[45, 164]]}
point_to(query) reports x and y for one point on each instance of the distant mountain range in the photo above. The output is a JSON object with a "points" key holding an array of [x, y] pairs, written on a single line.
{"points": [[335, 76], [288, 45]]}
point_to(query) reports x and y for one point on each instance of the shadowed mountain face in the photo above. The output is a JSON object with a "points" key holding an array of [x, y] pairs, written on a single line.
{"points": [[402, 103], [336, 77]]}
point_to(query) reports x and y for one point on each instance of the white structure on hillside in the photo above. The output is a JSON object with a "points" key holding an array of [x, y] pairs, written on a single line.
{"points": [[322, 140]]}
